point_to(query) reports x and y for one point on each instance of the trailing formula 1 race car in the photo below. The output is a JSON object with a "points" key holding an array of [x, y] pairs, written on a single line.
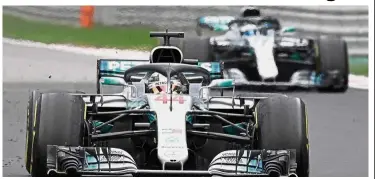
{"points": [[167, 121], [259, 52]]}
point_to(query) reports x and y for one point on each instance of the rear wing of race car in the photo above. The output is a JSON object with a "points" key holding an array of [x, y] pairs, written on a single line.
{"points": [[216, 24]]}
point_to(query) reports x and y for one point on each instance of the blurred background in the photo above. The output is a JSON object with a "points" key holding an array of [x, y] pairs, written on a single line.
{"points": [[128, 26]]}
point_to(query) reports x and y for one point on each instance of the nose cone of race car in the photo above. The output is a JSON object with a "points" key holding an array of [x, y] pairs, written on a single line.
{"points": [[263, 48], [171, 123]]}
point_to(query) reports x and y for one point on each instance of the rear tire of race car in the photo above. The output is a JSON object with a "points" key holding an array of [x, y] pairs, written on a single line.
{"points": [[198, 48], [54, 118], [282, 124], [333, 55]]}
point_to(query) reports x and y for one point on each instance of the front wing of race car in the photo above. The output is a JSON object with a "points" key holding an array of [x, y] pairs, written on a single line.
{"points": [[104, 161]]}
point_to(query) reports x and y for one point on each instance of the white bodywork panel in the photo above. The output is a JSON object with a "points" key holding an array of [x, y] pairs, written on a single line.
{"points": [[263, 48], [171, 144], [263, 45]]}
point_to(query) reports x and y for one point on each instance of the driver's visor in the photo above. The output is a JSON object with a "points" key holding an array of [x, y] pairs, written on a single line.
{"points": [[160, 88]]}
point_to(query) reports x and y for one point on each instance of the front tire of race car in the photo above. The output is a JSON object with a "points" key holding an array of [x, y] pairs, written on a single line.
{"points": [[282, 124], [333, 58], [54, 118]]}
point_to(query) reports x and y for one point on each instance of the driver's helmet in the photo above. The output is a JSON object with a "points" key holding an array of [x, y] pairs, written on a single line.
{"points": [[248, 30], [158, 84], [269, 22], [250, 11]]}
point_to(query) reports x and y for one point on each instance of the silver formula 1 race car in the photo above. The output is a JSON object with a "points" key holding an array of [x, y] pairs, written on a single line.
{"points": [[166, 121], [259, 52]]}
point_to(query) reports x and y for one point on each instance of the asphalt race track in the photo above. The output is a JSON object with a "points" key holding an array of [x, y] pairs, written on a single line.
{"points": [[338, 122]]}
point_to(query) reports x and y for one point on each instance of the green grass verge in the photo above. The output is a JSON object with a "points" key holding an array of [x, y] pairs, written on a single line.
{"points": [[98, 36], [359, 66]]}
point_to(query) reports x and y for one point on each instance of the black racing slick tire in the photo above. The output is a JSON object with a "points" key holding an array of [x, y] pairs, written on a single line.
{"points": [[198, 48], [333, 57], [282, 124], [31, 113], [54, 118]]}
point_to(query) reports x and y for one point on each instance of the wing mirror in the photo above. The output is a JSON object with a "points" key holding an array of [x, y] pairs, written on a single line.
{"points": [[222, 83], [116, 81], [288, 29], [204, 92]]}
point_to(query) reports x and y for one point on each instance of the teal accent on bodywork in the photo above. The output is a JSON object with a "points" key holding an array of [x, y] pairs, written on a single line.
{"points": [[228, 83], [112, 81], [189, 119], [289, 29], [136, 103], [216, 20], [105, 129], [119, 66], [222, 83], [151, 117], [214, 68], [233, 130], [255, 166], [220, 27], [296, 56], [251, 52], [91, 162]]}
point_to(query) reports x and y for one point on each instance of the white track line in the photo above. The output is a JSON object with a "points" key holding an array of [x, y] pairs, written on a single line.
{"points": [[359, 82]]}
